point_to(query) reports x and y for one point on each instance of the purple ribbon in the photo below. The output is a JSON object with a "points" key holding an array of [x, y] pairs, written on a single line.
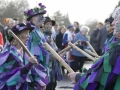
{"points": [[83, 79], [92, 77], [76, 87], [91, 86], [98, 62], [3, 57]]}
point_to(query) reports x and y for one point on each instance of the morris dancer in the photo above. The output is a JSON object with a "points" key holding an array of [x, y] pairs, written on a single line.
{"points": [[54, 67], [16, 72], [35, 43], [104, 73]]}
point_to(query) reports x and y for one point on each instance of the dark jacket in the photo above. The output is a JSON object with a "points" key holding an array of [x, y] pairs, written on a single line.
{"points": [[59, 38], [93, 42], [101, 37], [109, 36], [109, 39], [77, 30]]}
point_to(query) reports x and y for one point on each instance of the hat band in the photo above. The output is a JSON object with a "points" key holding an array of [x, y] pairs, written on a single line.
{"points": [[20, 28]]}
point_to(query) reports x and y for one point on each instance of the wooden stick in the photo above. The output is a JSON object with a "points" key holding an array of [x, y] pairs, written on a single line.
{"points": [[91, 47], [83, 52], [58, 57], [63, 54], [93, 54], [21, 43], [67, 48]]}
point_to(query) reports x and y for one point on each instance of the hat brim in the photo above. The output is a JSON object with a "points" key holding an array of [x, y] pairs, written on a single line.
{"points": [[29, 28], [28, 19], [53, 22]]}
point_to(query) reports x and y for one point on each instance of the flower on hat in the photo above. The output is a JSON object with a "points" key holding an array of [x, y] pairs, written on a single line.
{"points": [[28, 24], [42, 6], [35, 11]]}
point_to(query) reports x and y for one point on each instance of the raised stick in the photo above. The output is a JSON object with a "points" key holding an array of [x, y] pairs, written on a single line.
{"points": [[21, 43], [89, 52], [63, 54], [67, 48], [91, 47], [81, 51], [58, 57]]}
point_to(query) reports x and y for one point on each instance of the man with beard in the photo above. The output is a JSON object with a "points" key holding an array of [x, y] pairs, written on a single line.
{"points": [[54, 67]]}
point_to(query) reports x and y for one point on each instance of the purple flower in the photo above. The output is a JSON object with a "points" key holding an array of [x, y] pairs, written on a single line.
{"points": [[40, 4], [28, 24], [43, 6], [30, 12], [25, 12], [36, 10], [44, 11]]}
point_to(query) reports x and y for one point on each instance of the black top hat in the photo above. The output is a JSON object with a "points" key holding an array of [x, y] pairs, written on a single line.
{"points": [[47, 19]]}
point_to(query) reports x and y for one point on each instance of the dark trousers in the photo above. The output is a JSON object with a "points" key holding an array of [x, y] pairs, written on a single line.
{"points": [[101, 52], [78, 63], [51, 85], [63, 70], [98, 52]]}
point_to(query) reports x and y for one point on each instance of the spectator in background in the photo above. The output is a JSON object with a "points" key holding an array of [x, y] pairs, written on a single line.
{"points": [[6, 20], [68, 35], [1, 41], [59, 37], [110, 37], [79, 58], [101, 37], [10, 23], [16, 21], [76, 25], [55, 31], [94, 43], [2, 32]]}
